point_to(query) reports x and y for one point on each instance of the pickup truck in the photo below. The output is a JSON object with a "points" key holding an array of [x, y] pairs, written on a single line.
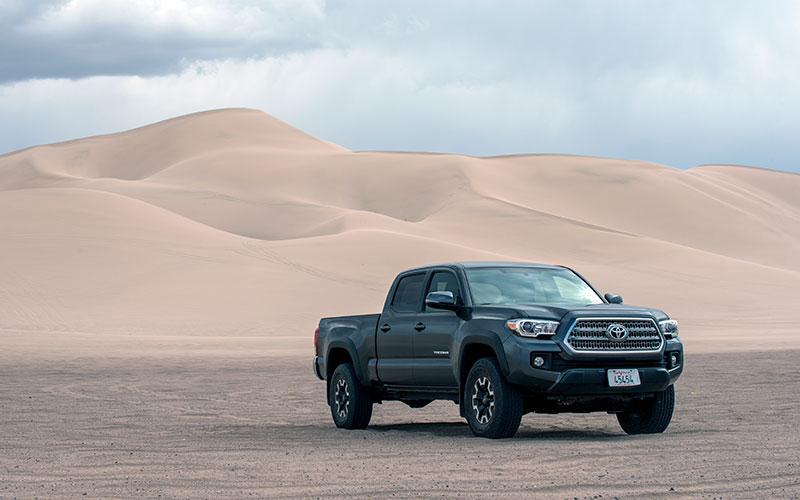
{"points": [[502, 339]]}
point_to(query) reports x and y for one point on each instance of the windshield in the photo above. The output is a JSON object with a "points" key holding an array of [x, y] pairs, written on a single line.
{"points": [[529, 285]]}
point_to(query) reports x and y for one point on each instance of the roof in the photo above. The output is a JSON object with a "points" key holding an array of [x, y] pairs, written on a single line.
{"points": [[476, 264]]}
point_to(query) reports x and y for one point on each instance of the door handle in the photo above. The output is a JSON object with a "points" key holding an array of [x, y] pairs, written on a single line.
{"points": [[419, 327], [385, 328]]}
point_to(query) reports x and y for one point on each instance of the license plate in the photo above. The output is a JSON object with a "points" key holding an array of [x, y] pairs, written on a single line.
{"points": [[623, 378]]}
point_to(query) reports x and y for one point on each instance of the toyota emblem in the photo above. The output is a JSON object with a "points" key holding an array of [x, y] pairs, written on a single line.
{"points": [[616, 332]]}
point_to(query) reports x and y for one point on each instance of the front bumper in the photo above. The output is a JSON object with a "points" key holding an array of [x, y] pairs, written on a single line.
{"points": [[564, 374], [317, 371], [595, 381]]}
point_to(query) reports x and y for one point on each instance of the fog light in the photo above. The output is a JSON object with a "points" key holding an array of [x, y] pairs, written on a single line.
{"points": [[538, 361], [674, 360]]}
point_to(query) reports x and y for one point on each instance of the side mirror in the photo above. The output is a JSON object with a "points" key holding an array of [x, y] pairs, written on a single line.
{"points": [[441, 300], [613, 298]]}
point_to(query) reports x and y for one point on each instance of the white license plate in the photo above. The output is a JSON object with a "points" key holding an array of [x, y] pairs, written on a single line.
{"points": [[623, 378]]}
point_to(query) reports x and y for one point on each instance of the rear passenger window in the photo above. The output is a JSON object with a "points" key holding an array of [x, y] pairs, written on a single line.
{"points": [[409, 290]]}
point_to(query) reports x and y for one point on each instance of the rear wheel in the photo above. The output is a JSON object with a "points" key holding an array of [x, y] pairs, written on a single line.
{"points": [[351, 403], [493, 407], [651, 415]]}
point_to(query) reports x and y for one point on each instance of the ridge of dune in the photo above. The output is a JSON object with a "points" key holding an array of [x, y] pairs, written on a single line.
{"points": [[141, 152], [208, 117], [733, 166]]}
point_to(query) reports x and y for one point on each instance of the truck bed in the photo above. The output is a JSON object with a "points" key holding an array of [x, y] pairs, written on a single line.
{"points": [[356, 334]]}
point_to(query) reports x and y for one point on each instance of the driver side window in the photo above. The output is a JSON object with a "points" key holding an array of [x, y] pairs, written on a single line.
{"points": [[443, 281]]}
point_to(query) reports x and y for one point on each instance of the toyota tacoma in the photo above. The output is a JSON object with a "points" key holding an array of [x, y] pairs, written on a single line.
{"points": [[502, 339]]}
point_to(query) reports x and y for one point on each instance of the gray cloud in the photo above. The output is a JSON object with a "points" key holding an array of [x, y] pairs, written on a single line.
{"points": [[82, 38], [681, 83]]}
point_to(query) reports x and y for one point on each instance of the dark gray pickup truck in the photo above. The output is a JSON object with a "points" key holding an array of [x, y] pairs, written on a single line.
{"points": [[502, 339]]}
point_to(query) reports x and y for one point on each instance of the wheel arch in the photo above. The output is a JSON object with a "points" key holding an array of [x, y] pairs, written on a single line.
{"points": [[475, 348], [341, 351], [338, 352]]}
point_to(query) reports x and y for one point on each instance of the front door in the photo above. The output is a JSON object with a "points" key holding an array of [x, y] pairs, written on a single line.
{"points": [[433, 344]]}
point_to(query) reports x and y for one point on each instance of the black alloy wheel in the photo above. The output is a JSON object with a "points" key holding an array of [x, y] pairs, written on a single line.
{"points": [[342, 398], [483, 400]]}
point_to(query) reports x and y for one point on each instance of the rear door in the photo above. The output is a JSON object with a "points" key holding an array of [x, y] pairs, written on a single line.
{"points": [[395, 335], [433, 343]]}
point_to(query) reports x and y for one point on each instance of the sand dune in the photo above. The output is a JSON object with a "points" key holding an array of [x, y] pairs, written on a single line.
{"points": [[234, 223]]}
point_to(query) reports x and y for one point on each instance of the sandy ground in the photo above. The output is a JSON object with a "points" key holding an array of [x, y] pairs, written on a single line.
{"points": [[143, 423]]}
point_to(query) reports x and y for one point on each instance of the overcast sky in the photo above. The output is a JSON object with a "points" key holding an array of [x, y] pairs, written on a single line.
{"points": [[676, 82]]}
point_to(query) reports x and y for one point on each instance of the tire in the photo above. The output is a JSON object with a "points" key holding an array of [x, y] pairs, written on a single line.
{"points": [[350, 402], [493, 407], [650, 416]]}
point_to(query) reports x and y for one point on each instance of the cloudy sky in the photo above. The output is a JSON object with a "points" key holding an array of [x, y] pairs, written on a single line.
{"points": [[677, 82]]}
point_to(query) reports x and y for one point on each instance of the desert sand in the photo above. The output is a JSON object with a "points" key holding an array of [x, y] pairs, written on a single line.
{"points": [[161, 287]]}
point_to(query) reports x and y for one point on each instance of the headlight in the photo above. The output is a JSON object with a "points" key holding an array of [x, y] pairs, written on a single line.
{"points": [[532, 327], [669, 327]]}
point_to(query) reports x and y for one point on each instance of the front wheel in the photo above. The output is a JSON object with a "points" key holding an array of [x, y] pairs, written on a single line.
{"points": [[493, 407], [351, 403], [649, 416]]}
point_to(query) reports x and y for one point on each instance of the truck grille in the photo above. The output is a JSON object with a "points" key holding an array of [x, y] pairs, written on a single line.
{"points": [[589, 335]]}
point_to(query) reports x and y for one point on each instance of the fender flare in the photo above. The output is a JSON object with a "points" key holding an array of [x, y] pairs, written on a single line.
{"points": [[489, 339], [349, 346]]}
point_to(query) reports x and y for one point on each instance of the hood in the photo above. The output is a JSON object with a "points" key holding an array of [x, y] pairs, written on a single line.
{"points": [[557, 313]]}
